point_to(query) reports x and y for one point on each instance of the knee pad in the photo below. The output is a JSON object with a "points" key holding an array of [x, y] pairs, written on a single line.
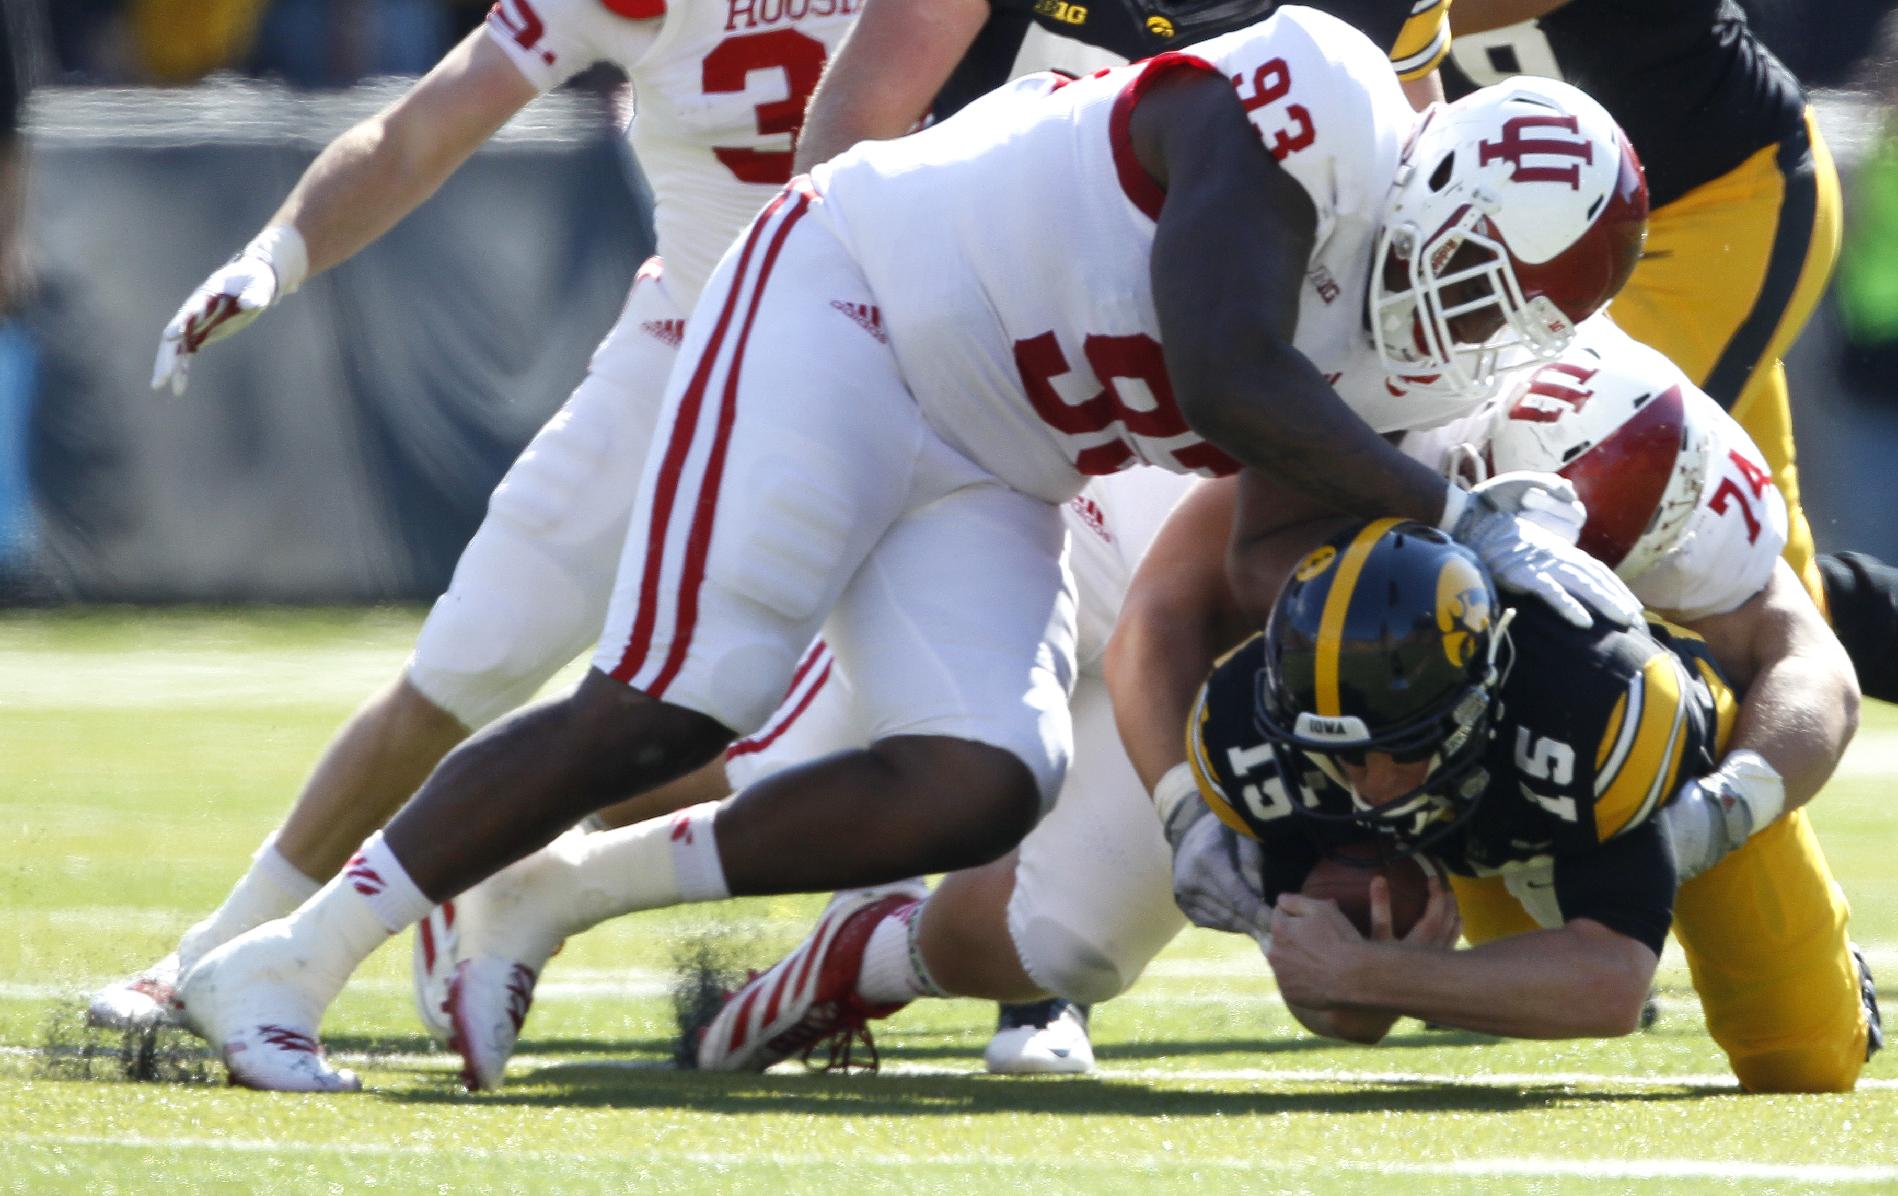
{"points": [[1066, 962], [1823, 1067], [510, 619]]}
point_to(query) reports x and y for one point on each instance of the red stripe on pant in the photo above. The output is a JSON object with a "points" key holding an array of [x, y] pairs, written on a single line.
{"points": [[699, 540], [769, 733], [678, 447]]}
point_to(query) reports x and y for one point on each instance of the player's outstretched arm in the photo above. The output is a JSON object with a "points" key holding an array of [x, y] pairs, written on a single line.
{"points": [[1582, 980], [1799, 712], [356, 190], [1230, 255], [882, 79]]}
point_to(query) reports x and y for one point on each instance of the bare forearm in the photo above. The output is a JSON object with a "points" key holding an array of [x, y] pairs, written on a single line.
{"points": [[1799, 714], [372, 176], [886, 73], [1544, 984]]}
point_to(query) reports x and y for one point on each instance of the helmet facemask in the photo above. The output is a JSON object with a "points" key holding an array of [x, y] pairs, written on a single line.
{"points": [[1425, 285]]}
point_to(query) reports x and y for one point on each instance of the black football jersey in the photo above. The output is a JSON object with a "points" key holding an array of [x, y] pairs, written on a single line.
{"points": [[1694, 88], [1414, 32], [1593, 731]]}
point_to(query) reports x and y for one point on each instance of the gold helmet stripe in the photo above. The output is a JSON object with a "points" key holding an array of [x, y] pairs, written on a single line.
{"points": [[1344, 583]]}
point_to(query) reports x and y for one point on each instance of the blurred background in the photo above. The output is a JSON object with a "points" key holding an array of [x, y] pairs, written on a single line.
{"points": [[342, 448]]}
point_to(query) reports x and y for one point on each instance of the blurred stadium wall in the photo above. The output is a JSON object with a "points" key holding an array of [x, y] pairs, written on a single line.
{"points": [[341, 449]]}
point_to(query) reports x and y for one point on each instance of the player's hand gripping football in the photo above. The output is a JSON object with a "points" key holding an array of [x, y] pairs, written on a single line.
{"points": [[1523, 525], [268, 269], [1218, 873], [1311, 939]]}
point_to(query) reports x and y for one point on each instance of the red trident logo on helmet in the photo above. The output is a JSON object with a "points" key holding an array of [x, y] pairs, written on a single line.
{"points": [[1514, 147]]}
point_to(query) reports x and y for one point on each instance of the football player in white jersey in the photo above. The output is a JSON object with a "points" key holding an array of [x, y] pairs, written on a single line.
{"points": [[890, 384], [721, 88], [1675, 503]]}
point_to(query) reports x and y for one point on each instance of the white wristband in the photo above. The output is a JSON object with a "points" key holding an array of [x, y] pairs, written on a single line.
{"points": [[281, 248], [1455, 499], [1175, 787], [1757, 784]]}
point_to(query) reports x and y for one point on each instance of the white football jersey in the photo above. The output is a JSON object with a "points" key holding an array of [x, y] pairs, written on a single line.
{"points": [[1111, 523], [1009, 249], [1726, 549], [719, 89]]}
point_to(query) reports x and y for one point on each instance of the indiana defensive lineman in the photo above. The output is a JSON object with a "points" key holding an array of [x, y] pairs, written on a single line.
{"points": [[721, 91], [1677, 500], [874, 427], [1393, 694]]}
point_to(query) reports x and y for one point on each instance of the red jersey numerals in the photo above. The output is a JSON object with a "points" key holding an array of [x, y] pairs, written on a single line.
{"points": [[1270, 83], [1136, 358], [800, 58], [1731, 495]]}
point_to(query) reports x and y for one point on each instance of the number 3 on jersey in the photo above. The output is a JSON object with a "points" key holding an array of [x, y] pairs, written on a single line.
{"points": [[728, 68]]}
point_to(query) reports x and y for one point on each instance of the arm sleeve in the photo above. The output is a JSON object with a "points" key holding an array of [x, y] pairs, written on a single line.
{"points": [[1627, 885], [550, 41]]}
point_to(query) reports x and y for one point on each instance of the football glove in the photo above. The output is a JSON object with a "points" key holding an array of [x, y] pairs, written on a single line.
{"points": [[1713, 815], [271, 267], [1218, 873], [1523, 526]]}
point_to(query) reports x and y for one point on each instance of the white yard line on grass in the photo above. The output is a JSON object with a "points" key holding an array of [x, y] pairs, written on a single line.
{"points": [[1118, 1162]]}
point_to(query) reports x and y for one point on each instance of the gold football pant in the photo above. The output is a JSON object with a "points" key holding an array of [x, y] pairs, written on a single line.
{"points": [[1731, 273], [1764, 936]]}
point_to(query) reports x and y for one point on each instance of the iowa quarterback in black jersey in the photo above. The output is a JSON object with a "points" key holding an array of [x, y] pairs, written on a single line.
{"points": [[1393, 697]]}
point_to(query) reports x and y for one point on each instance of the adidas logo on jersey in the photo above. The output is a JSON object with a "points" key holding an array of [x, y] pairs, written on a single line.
{"points": [[670, 332], [866, 316], [1092, 515]]}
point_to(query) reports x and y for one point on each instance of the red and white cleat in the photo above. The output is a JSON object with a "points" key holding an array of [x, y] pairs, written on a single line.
{"points": [[810, 998], [141, 1002], [432, 969], [256, 1001], [506, 929], [488, 1002]]}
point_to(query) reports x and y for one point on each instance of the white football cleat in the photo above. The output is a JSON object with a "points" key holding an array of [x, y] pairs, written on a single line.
{"points": [[255, 1000], [506, 929], [809, 999], [1044, 1038], [142, 1002], [432, 968]]}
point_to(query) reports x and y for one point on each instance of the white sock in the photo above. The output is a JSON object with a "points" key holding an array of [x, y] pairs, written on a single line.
{"points": [[893, 969], [384, 883], [271, 888], [695, 863]]}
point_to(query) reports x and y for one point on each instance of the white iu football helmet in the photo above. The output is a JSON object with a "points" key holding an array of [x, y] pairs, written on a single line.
{"points": [[1625, 436], [1517, 212]]}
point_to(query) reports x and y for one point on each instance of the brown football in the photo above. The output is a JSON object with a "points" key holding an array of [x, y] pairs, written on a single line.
{"points": [[1344, 876]]}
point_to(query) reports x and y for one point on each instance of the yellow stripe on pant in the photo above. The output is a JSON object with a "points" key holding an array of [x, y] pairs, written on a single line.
{"points": [[1731, 273], [1764, 935]]}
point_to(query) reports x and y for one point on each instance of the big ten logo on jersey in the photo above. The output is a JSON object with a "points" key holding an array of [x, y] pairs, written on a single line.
{"points": [[518, 20], [1129, 400], [1743, 484], [1537, 158], [1287, 128], [1553, 391], [762, 14], [1062, 11]]}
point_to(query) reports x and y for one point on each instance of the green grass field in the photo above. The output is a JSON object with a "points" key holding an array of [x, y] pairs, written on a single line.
{"points": [[143, 757]]}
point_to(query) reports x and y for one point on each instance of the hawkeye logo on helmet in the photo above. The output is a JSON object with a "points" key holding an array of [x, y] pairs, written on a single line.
{"points": [[1462, 609], [1514, 147], [1315, 564], [1346, 729]]}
